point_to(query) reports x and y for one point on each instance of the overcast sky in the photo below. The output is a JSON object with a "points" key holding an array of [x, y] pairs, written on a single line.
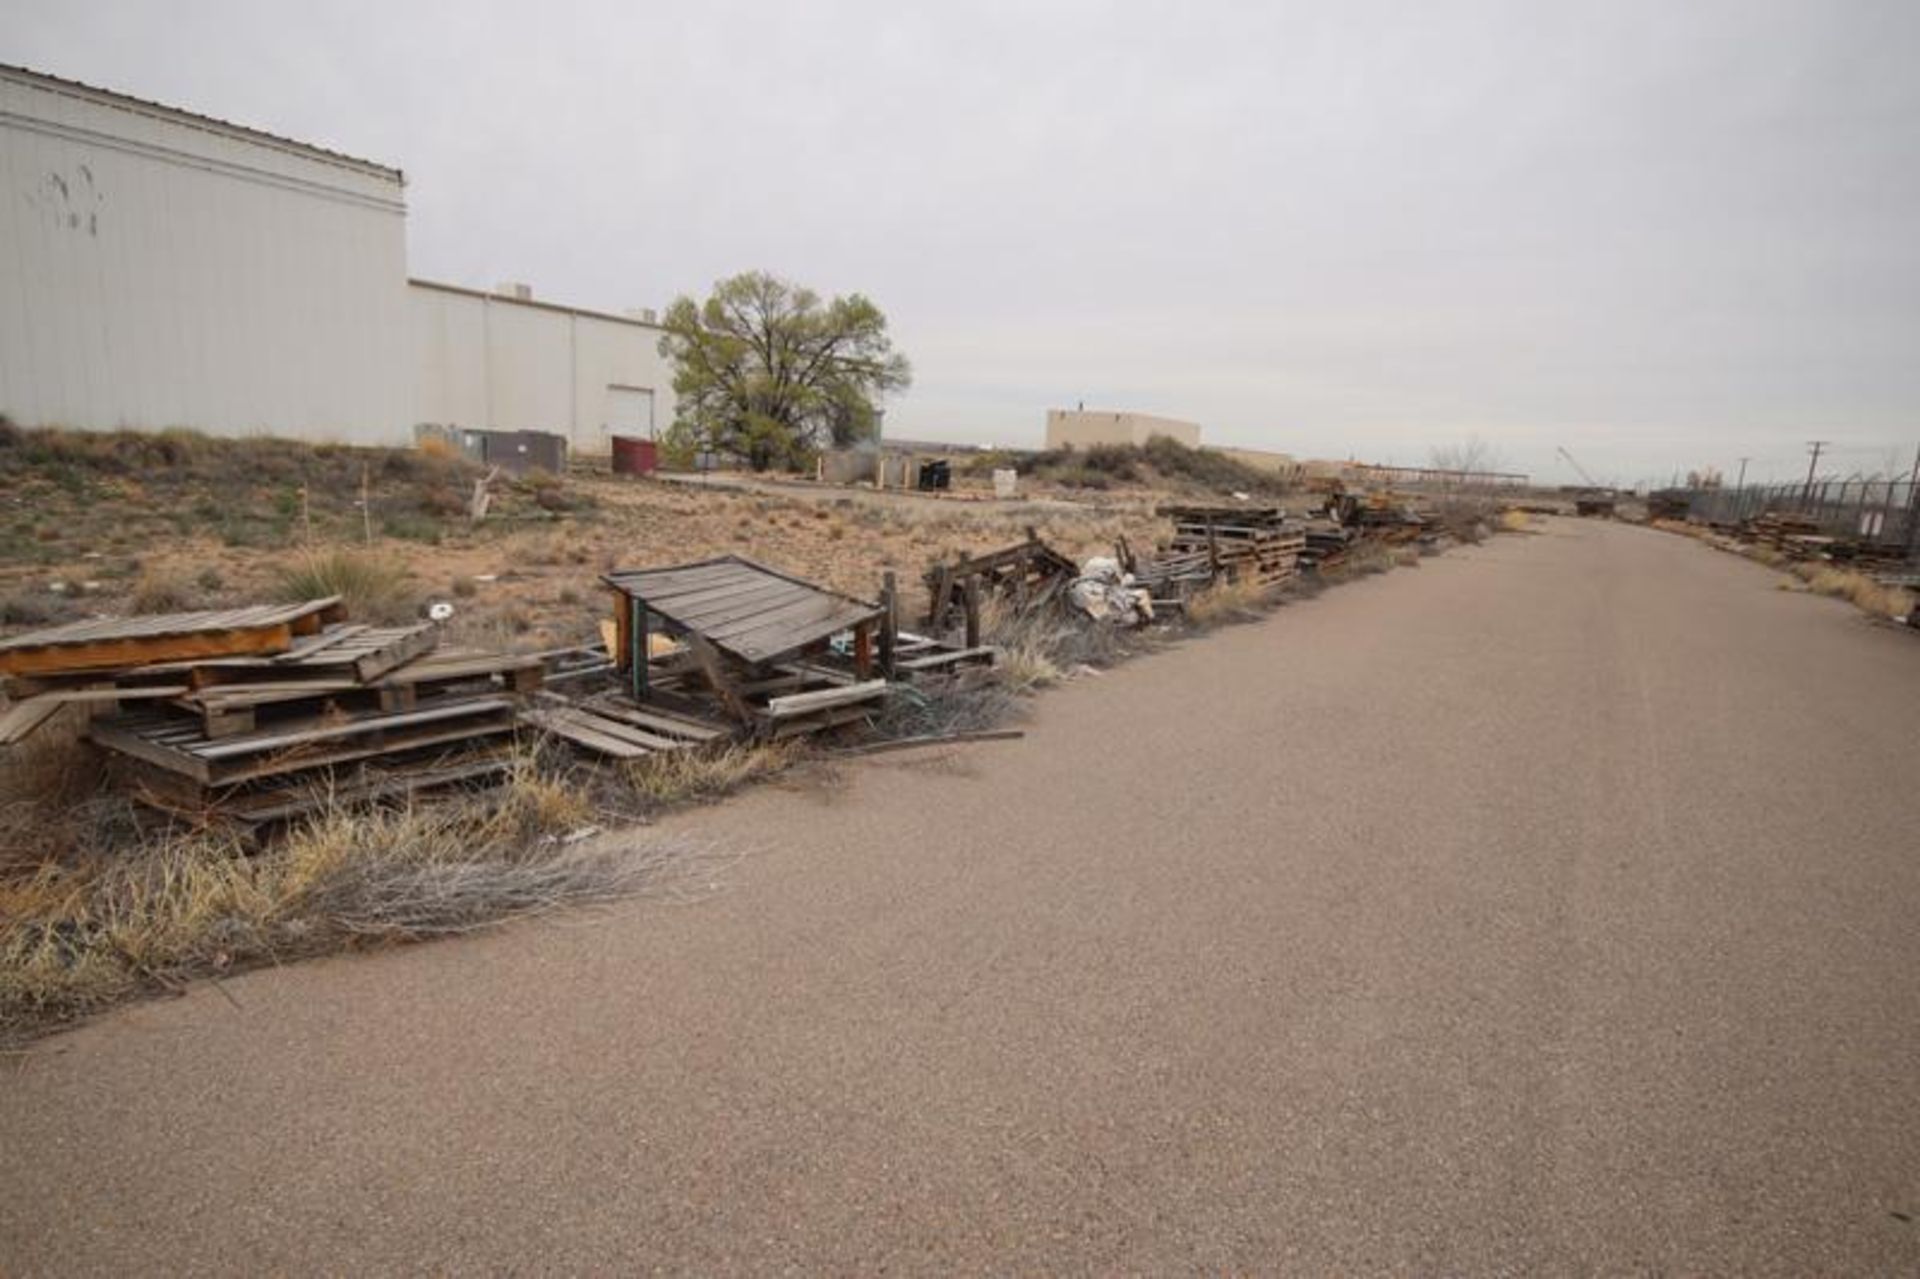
{"points": [[1661, 234]]}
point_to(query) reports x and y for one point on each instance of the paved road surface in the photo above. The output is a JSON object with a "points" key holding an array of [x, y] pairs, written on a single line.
{"points": [[1554, 906]]}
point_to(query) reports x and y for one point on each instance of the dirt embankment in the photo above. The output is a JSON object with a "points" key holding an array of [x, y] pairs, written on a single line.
{"points": [[123, 522]]}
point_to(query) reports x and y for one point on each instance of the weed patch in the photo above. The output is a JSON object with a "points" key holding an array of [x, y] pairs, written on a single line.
{"points": [[373, 587]]}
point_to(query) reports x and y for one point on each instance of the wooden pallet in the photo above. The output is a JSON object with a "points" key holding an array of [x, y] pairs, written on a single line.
{"points": [[253, 806], [115, 643], [234, 709], [180, 745]]}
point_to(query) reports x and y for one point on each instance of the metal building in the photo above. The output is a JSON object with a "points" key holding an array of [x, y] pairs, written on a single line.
{"points": [[507, 362], [159, 268], [164, 269]]}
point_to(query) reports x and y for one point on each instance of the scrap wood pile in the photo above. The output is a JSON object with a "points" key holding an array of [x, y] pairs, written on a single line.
{"points": [[1387, 516], [1239, 543], [1669, 504], [1026, 574], [1327, 544], [1211, 544], [1799, 537], [257, 715]]}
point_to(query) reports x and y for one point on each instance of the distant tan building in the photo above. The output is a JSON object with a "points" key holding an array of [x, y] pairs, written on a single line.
{"points": [[1085, 428]]}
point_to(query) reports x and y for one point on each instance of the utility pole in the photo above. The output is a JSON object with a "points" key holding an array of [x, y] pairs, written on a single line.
{"points": [[1813, 446], [1742, 481]]}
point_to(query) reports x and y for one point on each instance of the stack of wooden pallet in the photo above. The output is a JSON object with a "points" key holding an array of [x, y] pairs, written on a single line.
{"points": [[1238, 543], [260, 714], [1168, 576], [1794, 535], [1327, 544]]}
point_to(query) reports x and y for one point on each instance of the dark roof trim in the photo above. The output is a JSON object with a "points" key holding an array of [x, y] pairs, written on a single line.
{"points": [[506, 300], [213, 124]]}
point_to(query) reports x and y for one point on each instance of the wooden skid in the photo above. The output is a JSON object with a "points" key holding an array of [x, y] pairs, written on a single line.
{"points": [[181, 746], [117, 643], [231, 709], [260, 808], [367, 652]]}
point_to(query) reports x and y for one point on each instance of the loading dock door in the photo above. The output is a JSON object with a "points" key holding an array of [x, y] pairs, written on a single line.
{"points": [[629, 412]]}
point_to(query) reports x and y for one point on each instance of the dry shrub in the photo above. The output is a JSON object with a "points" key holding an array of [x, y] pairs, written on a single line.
{"points": [[1024, 665], [968, 703], [1514, 522], [22, 609], [81, 935], [372, 587], [1370, 556], [56, 798], [440, 449], [689, 776], [1025, 644], [1856, 588], [1407, 557], [163, 592], [1224, 602]]}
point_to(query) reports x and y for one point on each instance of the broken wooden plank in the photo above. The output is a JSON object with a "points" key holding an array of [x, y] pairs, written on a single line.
{"points": [[588, 731], [985, 655], [665, 724], [23, 718], [806, 703], [935, 739]]}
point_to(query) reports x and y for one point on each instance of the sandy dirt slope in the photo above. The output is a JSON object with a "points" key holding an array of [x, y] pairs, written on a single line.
{"points": [[1549, 906]]}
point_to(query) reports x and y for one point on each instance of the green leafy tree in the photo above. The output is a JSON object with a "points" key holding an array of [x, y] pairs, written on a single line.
{"points": [[768, 372]]}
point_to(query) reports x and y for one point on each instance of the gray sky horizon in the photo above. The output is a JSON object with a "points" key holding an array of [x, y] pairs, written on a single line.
{"points": [[1662, 235]]}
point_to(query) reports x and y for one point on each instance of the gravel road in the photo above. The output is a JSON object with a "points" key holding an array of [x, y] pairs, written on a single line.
{"points": [[1553, 906]]}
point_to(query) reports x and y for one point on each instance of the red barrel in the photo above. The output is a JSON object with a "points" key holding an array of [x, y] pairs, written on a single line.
{"points": [[635, 457]]}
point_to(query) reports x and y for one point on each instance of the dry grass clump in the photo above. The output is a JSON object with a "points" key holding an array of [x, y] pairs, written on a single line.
{"points": [[373, 587], [1465, 517], [159, 591], [691, 776], [20, 608], [103, 925], [1225, 602], [1044, 645], [968, 703], [1514, 521], [1857, 588], [56, 799], [1366, 557], [1024, 664]]}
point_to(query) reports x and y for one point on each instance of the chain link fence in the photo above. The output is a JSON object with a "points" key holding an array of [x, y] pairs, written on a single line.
{"points": [[1883, 512]]}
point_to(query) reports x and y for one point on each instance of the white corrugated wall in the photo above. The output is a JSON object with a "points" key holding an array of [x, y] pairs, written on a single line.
{"points": [[159, 270], [495, 362]]}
